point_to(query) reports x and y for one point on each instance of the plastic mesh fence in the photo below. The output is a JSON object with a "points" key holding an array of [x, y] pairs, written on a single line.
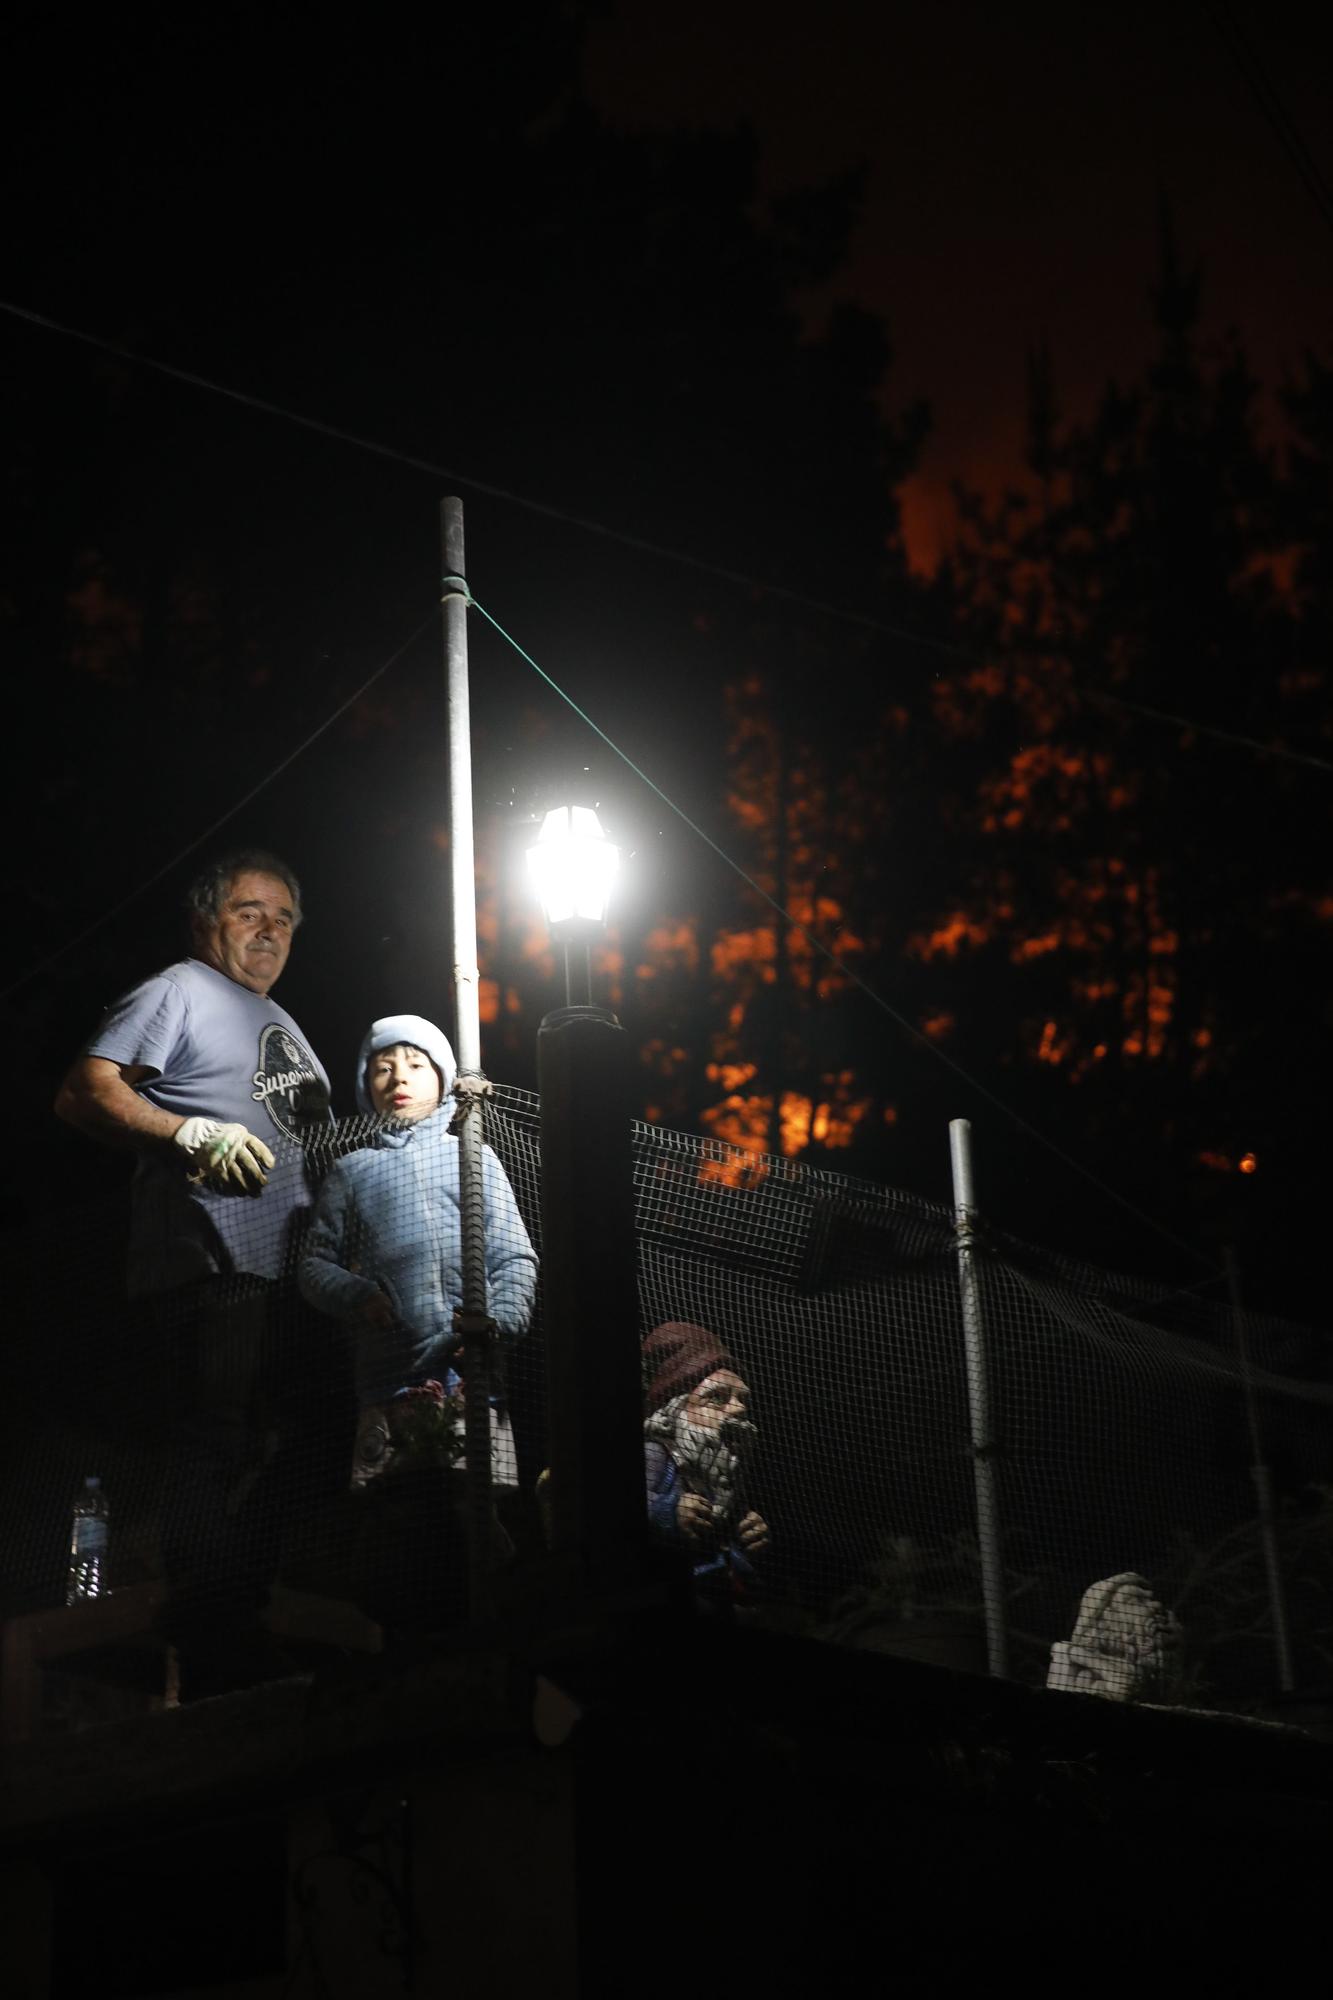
{"points": [[1124, 1424], [255, 1428]]}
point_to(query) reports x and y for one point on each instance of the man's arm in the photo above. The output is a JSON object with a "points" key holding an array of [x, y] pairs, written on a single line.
{"points": [[99, 1099]]}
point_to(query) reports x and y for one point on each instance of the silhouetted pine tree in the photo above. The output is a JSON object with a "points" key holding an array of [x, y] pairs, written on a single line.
{"points": [[1134, 899]]}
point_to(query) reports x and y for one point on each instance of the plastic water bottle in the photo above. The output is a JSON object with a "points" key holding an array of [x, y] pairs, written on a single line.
{"points": [[88, 1545]]}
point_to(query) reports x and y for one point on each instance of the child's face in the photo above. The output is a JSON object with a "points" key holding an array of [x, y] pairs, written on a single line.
{"points": [[403, 1083]]}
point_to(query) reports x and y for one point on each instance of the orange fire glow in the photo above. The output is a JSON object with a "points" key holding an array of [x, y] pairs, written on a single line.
{"points": [[732, 1169], [948, 938], [755, 950], [742, 1124], [1053, 1046], [730, 1075], [795, 1118], [673, 945]]}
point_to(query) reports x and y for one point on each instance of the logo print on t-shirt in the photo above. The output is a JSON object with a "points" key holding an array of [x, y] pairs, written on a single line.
{"points": [[283, 1065]]}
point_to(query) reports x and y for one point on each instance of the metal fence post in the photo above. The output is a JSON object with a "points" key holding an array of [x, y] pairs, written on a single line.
{"points": [[1262, 1476], [978, 1400], [477, 1337]]}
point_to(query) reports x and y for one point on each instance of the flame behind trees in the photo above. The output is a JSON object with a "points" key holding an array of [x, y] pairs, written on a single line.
{"points": [[1130, 876], [1049, 883], [1126, 923], [805, 826]]}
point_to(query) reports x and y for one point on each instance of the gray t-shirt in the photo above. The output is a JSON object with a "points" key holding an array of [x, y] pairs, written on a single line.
{"points": [[218, 1051]]}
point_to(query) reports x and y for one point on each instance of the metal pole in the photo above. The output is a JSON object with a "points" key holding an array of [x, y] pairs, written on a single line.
{"points": [[978, 1399], [476, 1326], [578, 973], [590, 1301], [1261, 1474]]}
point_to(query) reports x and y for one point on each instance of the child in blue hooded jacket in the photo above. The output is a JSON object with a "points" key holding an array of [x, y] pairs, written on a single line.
{"points": [[385, 1248]]}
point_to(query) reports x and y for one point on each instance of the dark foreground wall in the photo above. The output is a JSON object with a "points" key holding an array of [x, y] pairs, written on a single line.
{"points": [[788, 1812], [696, 1809]]}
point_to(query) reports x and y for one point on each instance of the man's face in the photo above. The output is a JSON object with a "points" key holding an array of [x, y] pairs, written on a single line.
{"points": [[252, 936], [717, 1397], [403, 1083]]}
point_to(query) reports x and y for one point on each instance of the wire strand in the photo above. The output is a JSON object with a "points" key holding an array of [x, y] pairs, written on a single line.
{"points": [[841, 613], [238, 805], [1270, 102], [1222, 735], [847, 971]]}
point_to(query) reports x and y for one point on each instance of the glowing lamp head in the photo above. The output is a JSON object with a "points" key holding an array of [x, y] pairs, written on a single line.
{"points": [[573, 866]]}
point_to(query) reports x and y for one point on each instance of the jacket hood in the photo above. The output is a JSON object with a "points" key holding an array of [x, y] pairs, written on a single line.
{"points": [[418, 1034]]}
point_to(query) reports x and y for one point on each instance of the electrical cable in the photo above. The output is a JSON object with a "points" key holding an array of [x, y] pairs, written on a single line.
{"points": [[1206, 729], [844, 614], [643, 545], [847, 971], [1267, 97], [237, 805]]}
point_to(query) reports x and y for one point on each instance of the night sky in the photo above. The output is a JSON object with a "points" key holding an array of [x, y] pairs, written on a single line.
{"points": [[1015, 162], [486, 248]]}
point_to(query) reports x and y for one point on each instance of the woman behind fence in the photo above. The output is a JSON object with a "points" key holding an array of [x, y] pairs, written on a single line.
{"points": [[385, 1253]]}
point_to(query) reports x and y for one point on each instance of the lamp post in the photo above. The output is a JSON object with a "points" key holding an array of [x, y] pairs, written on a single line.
{"points": [[585, 1074], [573, 866]]}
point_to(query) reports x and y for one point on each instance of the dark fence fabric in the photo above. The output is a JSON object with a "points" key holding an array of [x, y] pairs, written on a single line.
{"points": [[1124, 1418]]}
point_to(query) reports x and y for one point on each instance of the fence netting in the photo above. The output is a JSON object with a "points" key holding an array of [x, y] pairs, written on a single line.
{"points": [[294, 1423]]}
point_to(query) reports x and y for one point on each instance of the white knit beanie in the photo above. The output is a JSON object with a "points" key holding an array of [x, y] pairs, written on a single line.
{"points": [[417, 1034]]}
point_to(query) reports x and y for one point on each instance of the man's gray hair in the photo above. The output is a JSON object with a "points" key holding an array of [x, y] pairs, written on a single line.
{"points": [[208, 891]]}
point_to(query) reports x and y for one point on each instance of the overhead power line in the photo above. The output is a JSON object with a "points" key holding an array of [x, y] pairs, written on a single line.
{"points": [[848, 972], [1187, 725], [817, 944], [844, 614], [1269, 100], [215, 826]]}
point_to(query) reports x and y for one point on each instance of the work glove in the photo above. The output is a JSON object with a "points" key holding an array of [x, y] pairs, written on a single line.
{"points": [[224, 1157]]}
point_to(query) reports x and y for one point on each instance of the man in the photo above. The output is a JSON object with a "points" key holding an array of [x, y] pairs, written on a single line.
{"points": [[200, 1073], [184, 1065], [697, 1437]]}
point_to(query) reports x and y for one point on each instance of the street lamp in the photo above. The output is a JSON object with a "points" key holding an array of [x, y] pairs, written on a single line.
{"points": [[573, 866]]}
